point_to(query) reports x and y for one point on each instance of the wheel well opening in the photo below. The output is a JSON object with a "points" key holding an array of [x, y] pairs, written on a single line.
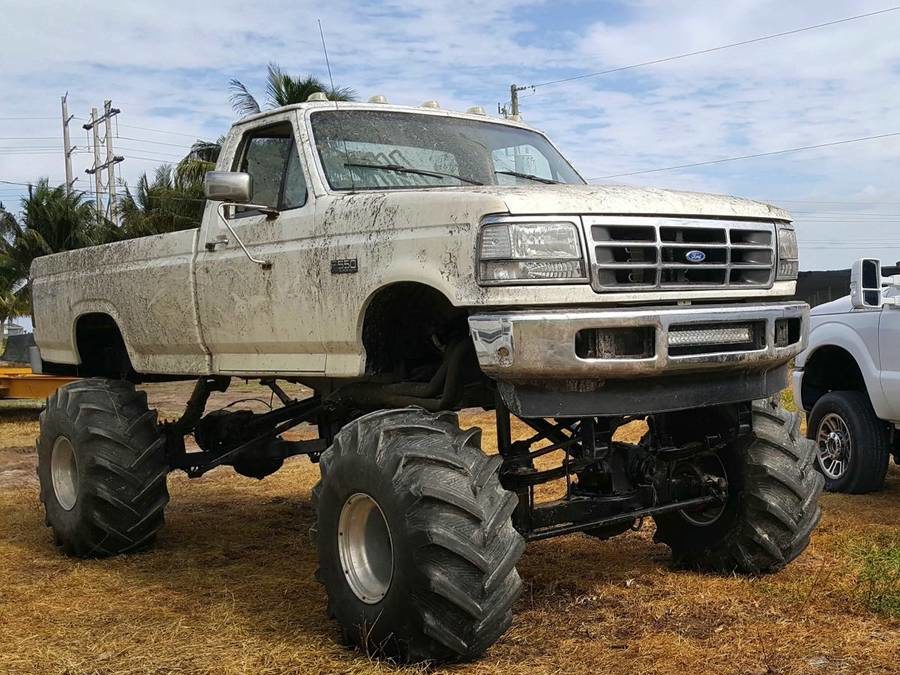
{"points": [[101, 347], [406, 326], [830, 369]]}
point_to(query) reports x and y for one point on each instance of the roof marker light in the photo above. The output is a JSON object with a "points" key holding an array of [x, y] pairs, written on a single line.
{"points": [[476, 110], [378, 99], [317, 96], [431, 104]]}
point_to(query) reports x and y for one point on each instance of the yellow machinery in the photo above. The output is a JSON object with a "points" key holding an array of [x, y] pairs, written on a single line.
{"points": [[21, 383]]}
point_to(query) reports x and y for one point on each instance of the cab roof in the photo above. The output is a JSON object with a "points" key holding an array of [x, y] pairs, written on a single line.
{"points": [[381, 107]]}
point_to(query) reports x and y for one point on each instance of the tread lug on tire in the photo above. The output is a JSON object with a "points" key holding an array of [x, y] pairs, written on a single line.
{"points": [[771, 508], [869, 442], [114, 497], [453, 580]]}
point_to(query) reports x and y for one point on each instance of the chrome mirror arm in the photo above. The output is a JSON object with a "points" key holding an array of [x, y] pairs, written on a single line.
{"points": [[270, 213]]}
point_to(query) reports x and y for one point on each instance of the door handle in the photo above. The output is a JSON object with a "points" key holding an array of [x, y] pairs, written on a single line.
{"points": [[220, 240]]}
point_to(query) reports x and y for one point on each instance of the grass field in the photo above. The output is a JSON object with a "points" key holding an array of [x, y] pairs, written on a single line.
{"points": [[230, 589]]}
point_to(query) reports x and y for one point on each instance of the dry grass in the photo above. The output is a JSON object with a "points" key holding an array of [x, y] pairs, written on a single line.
{"points": [[230, 589]]}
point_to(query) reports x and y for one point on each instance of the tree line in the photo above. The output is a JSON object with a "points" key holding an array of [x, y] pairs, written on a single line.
{"points": [[52, 219]]}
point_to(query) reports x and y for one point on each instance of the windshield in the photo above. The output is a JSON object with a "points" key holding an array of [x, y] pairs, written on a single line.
{"points": [[373, 149]]}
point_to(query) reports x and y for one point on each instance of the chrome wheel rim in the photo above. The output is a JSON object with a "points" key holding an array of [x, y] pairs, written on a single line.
{"points": [[835, 446], [64, 473], [365, 548]]}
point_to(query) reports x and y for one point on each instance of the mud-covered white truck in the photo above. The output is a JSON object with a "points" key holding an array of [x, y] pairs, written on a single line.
{"points": [[848, 381], [405, 263]]}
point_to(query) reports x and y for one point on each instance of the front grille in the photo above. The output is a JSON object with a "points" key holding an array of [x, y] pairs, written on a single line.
{"points": [[638, 253]]}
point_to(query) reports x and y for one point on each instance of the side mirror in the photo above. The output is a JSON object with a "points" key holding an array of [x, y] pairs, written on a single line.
{"points": [[228, 186], [865, 284]]}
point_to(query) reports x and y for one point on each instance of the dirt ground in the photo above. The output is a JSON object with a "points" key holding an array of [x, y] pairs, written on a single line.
{"points": [[230, 589]]}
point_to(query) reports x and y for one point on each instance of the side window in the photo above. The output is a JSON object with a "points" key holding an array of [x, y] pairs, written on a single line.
{"points": [[294, 193], [272, 159]]}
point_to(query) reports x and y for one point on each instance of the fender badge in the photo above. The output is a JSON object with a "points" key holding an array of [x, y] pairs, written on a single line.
{"points": [[345, 266], [695, 256]]}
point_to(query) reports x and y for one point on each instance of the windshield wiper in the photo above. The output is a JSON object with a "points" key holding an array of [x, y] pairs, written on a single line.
{"points": [[399, 168], [529, 176]]}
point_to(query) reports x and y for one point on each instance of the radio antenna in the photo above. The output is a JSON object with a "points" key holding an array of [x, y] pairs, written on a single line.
{"points": [[336, 110], [325, 50]]}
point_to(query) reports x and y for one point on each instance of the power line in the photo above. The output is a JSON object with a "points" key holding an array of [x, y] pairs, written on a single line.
{"points": [[53, 138], [153, 159], [52, 149], [159, 131], [27, 118], [753, 156], [94, 192], [709, 50], [145, 140], [799, 201]]}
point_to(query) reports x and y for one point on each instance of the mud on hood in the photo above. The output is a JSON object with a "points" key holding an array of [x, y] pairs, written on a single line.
{"points": [[624, 200]]}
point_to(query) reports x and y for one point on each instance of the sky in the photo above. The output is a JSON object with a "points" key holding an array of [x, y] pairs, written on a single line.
{"points": [[167, 65]]}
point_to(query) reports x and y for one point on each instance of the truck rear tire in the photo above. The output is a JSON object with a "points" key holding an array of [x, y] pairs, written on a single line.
{"points": [[771, 507], [853, 445], [417, 550], [102, 468]]}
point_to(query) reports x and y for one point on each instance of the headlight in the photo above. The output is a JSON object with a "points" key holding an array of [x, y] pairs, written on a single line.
{"points": [[530, 252], [788, 263]]}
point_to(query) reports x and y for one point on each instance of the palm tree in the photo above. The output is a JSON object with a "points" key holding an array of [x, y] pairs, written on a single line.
{"points": [[11, 303], [172, 200], [52, 221], [282, 89]]}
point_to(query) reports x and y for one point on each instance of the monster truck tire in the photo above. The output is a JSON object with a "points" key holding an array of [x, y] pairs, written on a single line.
{"points": [[862, 439], [771, 507], [437, 580], [102, 468]]}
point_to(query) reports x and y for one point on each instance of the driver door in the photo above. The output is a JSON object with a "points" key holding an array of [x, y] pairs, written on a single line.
{"points": [[256, 320]]}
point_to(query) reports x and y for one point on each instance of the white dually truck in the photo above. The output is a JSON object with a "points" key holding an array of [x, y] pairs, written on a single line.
{"points": [[848, 381], [405, 263]]}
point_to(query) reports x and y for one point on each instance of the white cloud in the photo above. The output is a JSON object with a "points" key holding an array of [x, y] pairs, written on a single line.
{"points": [[166, 64]]}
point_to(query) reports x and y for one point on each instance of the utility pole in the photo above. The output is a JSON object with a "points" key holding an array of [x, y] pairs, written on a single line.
{"points": [[110, 161], [111, 158], [67, 145], [95, 170], [513, 111]]}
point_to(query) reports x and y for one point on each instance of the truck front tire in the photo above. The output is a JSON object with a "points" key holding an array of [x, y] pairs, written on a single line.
{"points": [[417, 550], [102, 468], [771, 507], [854, 446]]}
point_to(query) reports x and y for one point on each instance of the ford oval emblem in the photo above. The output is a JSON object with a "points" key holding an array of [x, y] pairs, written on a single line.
{"points": [[695, 256]]}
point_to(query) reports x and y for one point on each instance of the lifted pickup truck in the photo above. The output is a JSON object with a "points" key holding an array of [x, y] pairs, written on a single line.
{"points": [[405, 263], [848, 380]]}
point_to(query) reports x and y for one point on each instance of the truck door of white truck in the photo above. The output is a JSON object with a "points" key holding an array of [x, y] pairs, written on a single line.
{"points": [[256, 320], [889, 351]]}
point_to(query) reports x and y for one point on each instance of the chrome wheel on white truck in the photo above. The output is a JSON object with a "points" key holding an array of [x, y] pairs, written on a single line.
{"points": [[853, 444]]}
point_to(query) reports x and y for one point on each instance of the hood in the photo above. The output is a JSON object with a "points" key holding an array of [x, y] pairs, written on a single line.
{"points": [[839, 306], [625, 200]]}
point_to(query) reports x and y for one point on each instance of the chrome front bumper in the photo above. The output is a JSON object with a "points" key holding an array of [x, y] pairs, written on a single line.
{"points": [[541, 344]]}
